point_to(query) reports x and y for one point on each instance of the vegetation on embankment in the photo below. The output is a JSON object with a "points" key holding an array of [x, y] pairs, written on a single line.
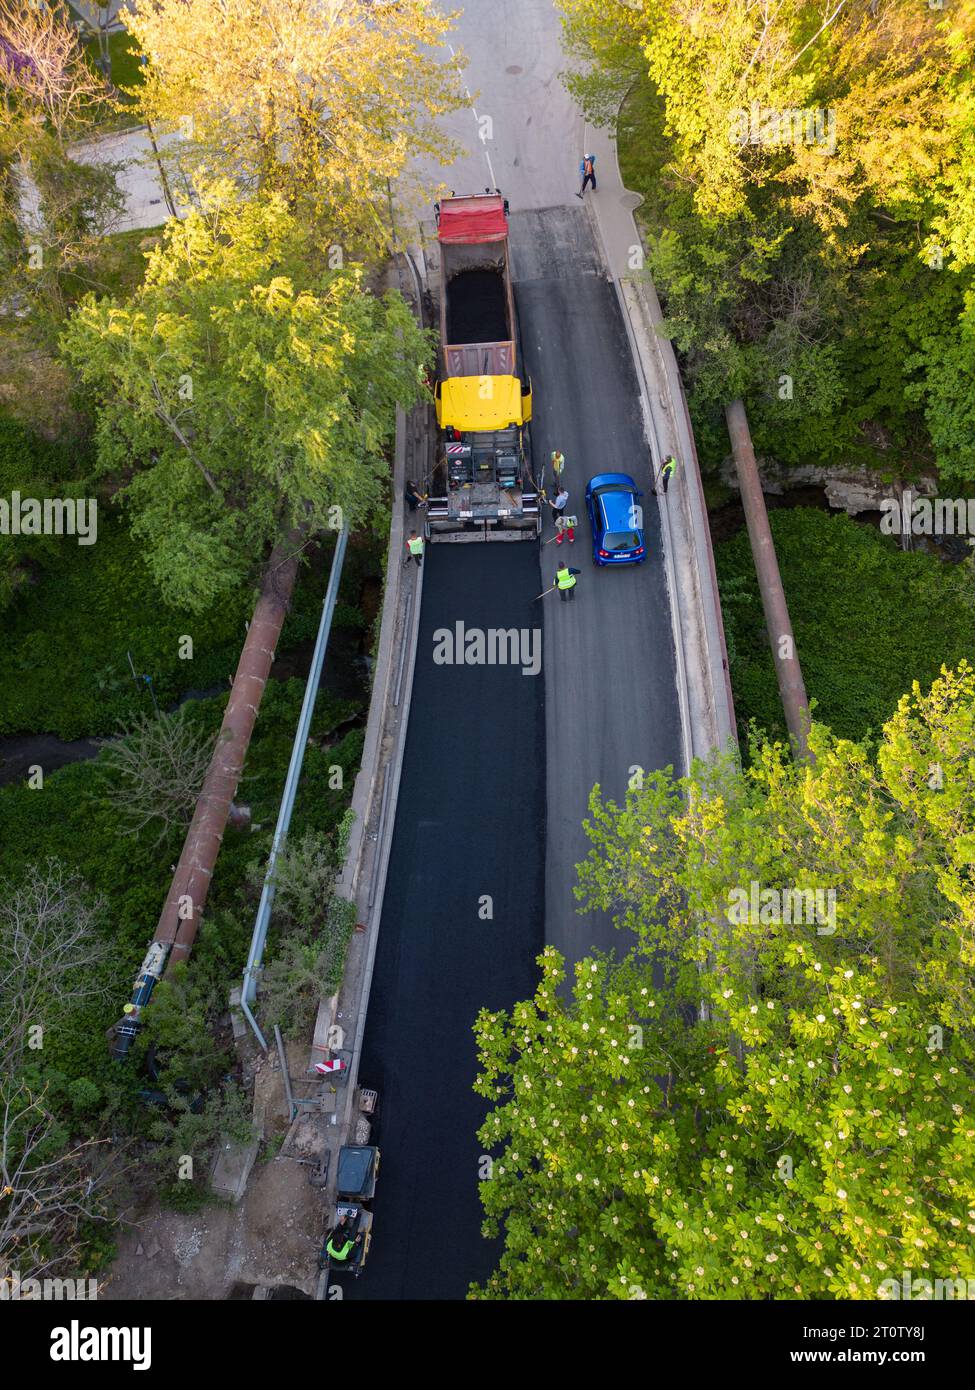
{"points": [[235, 386], [808, 216], [73, 821], [869, 620]]}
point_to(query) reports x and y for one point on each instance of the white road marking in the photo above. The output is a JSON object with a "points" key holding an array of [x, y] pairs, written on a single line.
{"points": [[494, 182]]}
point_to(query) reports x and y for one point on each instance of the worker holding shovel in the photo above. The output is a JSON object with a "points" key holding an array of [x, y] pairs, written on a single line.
{"points": [[667, 470], [565, 582]]}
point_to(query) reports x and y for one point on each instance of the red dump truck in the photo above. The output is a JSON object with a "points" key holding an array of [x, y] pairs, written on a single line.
{"points": [[482, 487]]}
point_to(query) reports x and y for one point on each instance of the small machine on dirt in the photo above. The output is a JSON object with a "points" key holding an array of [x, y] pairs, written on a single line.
{"points": [[346, 1246]]}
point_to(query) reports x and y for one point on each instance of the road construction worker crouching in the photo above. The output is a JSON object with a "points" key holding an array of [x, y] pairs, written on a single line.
{"points": [[565, 580], [342, 1240], [414, 498], [414, 546]]}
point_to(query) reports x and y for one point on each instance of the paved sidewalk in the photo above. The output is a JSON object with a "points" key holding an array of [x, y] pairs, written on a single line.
{"points": [[139, 177], [97, 15]]}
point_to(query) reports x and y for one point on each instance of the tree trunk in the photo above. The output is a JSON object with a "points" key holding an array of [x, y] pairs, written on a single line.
{"points": [[781, 639], [187, 896]]}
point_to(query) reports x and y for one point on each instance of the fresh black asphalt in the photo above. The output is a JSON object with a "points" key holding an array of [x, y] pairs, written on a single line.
{"points": [[470, 825], [497, 772]]}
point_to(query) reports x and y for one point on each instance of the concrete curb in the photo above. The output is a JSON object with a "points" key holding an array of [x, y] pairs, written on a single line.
{"points": [[374, 795], [697, 532]]}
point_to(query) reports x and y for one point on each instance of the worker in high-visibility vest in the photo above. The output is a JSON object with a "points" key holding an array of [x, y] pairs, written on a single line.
{"points": [[558, 463], [565, 580], [414, 546], [342, 1240], [666, 473]]}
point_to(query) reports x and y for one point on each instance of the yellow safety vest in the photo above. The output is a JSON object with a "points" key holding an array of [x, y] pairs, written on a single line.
{"points": [[565, 580], [416, 546]]}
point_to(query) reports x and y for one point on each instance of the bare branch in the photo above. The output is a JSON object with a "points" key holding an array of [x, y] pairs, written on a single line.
{"points": [[154, 772]]}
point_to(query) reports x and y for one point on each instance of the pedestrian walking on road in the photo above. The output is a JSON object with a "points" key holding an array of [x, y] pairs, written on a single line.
{"points": [[565, 580], [587, 168], [666, 473], [415, 548], [558, 463]]}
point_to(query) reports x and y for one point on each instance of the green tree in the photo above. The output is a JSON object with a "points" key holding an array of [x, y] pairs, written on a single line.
{"points": [[947, 391], [811, 1134], [242, 391], [800, 149], [325, 105]]}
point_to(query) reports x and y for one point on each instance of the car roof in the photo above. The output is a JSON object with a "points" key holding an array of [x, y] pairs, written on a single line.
{"points": [[617, 509], [603, 479]]}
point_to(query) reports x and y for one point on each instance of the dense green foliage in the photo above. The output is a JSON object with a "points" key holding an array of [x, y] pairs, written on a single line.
{"points": [[252, 388], [869, 620], [818, 266], [70, 817], [31, 466], [74, 612], [812, 1135]]}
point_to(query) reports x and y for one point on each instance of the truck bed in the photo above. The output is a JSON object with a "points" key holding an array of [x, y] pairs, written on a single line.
{"points": [[477, 307]]}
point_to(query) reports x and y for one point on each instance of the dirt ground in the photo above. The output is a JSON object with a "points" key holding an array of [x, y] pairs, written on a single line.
{"points": [[270, 1238]]}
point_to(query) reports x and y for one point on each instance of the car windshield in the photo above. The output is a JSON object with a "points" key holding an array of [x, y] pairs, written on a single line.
{"points": [[621, 540]]}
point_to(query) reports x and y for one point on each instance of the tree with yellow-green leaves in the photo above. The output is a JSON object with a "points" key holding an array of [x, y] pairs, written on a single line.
{"points": [[243, 390], [771, 1096], [322, 101], [811, 212]]}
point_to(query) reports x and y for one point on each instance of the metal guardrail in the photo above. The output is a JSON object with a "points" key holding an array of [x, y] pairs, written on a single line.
{"points": [[259, 936]]}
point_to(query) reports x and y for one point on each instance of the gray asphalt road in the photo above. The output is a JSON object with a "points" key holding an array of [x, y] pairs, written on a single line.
{"points": [[520, 130], [610, 703]]}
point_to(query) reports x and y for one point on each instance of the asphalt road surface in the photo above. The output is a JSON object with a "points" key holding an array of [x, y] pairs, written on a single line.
{"points": [[498, 766], [470, 825], [520, 130], [610, 693], [472, 819]]}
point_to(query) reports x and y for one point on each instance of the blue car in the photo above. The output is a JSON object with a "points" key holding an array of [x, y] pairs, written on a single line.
{"points": [[616, 518]]}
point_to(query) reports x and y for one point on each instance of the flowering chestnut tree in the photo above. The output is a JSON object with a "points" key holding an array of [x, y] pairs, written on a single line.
{"points": [[756, 1103]]}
